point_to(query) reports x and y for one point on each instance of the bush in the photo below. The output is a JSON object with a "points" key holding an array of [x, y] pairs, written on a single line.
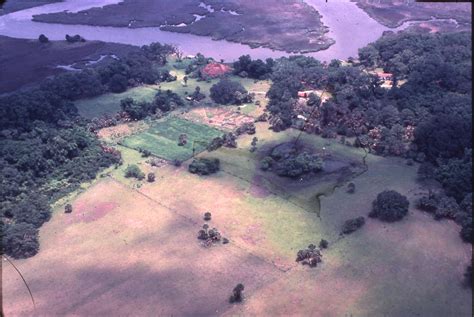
{"points": [[389, 206], [204, 166], [134, 171], [468, 276], [236, 296], [207, 216], [43, 39], [323, 244], [151, 177], [228, 92], [352, 225], [300, 164], [351, 188], [68, 208], [20, 240]]}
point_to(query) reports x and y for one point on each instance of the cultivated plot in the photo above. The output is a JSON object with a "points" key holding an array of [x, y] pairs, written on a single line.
{"points": [[162, 138]]}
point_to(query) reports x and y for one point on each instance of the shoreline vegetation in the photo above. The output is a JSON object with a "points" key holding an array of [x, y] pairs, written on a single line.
{"points": [[394, 13], [292, 26]]}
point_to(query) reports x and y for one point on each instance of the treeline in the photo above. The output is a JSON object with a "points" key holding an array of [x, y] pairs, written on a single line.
{"points": [[426, 116], [47, 150]]}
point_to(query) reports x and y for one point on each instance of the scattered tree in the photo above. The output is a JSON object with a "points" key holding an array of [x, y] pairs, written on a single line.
{"points": [[151, 177], [352, 225], [204, 166], [134, 171], [68, 208], [237, 296], [389, 206], [43, 39]]}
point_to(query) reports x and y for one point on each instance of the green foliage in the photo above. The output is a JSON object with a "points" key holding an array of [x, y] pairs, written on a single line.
{"points": [[236, 296], [43, 39], [20, 240], [352, 225], [134, 171], [257, 69], [287, 161], [204, 166], [389, 206], [228, 92]]}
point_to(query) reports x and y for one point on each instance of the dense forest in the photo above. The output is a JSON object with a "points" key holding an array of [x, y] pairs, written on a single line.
{"points": [[426, 116], [47, 150]]}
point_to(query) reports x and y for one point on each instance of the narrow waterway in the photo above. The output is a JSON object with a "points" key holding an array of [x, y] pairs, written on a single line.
{"points": [[349, 26]]}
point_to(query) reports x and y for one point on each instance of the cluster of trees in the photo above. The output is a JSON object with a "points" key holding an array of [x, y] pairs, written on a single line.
{"points": [[257, 69], [310, 256], [227, 92], [352, 225], [288, 161], [164, 101], [47, 150], [133, 171], [427, 118], [204, 166]]}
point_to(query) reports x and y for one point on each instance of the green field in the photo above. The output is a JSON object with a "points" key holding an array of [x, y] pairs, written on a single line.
{"points": [[161, 139], [110, 103]]}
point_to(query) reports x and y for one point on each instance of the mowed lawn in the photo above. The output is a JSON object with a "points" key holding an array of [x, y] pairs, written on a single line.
{"points": [[161, 139]]}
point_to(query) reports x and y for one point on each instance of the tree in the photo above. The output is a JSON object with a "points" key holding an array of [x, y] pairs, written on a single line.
{"points": [[237, 296], [118, 83], [389, 206], [20, 240], [68, 208], [134, 171], [352, 225], [227, 92], [207, 216], [151, 177], [43, 39], [323, 244], [204, 166]]}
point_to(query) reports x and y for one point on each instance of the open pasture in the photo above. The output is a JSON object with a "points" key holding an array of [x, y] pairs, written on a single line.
{"points": [[161, 139], [134, 249]]}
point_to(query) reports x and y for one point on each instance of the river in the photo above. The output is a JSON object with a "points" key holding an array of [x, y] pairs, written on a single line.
{"points": [[349, 26]]}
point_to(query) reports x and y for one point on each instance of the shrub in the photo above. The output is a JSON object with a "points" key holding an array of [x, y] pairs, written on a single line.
{"points": [[134, 171], [204, 166], [323, 244], [151, 177], [20, 240], [68, 208], [236, 296], [468, 276], [389, 206], [300, 164], [351, 188], [207, 216], [310, 256], [352, 225], [43, 39]]}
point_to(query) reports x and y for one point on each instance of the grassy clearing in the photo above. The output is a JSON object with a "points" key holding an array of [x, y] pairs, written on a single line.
{"points": [[110, 103], [161, 139], [136, 257]]}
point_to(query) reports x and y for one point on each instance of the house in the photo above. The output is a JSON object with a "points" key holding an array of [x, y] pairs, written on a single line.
{"points": [[384, 76]]}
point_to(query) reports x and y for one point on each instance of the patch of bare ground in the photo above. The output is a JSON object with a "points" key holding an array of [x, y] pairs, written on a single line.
{"points": [[223, 118], [119, 131]]}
